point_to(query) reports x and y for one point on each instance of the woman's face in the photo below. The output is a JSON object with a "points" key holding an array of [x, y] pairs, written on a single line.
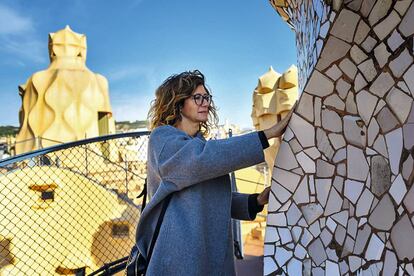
{"points": [[195, 108]]}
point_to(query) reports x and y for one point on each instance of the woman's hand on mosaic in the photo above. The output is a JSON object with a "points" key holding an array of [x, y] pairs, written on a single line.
{"points": [[278, 129], [263, 197]]}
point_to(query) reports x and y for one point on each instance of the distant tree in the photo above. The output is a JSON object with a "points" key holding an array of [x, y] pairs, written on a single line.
{"points": [[8, 130], [127, 125]]}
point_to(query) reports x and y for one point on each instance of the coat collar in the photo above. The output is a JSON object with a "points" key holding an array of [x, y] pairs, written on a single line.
{"points": [[200, 135]]}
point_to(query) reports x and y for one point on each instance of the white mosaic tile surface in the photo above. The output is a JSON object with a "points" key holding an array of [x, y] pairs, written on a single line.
{"points": [[342, 200]]}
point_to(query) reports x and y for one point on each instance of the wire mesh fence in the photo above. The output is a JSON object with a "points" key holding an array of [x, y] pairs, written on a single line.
{"points": [[71, 208]]}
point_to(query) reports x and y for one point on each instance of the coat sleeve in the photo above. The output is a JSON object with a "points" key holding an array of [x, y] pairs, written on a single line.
{"points": [[245, 206], [185, 161], [240, 206]]}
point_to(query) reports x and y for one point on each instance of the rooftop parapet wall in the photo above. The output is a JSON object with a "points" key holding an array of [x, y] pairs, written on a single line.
{"points": [[69, 209], [342, 191]]}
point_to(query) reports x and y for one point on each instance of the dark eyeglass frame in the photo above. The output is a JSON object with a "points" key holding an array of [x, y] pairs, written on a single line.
{"points": [[200, 97]]}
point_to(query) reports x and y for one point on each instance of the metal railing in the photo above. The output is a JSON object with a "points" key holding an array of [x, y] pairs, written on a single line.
{"points": [[36, 142], [71, 208]]}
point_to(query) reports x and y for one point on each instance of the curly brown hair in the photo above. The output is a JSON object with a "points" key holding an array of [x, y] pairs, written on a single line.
{"points": [[170, 96]]}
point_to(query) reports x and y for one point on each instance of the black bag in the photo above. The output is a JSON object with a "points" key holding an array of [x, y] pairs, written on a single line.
{"points": [[137, 264]]}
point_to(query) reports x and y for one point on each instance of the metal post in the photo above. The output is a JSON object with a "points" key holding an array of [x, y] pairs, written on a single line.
{"points": [[266, 176], [126, 174], [238, 244], [39, 142], [86, 160]]}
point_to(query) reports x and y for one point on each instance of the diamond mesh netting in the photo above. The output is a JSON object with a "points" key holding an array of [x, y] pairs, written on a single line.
{"points": [[71, 208]]}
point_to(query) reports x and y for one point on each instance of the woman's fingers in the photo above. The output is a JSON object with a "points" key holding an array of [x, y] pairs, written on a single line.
{"points": [[289, 115], [263, 197], [285, 121], [279, 128]]}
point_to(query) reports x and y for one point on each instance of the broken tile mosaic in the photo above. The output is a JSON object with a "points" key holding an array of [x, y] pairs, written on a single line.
{"points": [[352, 136]]}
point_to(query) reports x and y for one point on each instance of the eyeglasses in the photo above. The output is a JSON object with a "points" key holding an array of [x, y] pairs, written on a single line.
{"points": [[199, 98]]}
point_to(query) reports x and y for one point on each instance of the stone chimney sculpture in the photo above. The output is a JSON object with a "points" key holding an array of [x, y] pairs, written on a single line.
{"points": [[273, 97], [65, 102]]}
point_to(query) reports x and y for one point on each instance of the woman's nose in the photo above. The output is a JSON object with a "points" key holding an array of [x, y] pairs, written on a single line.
{"points": [[205, 102]]}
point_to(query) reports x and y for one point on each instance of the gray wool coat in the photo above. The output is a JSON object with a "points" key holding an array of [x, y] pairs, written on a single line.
{"points": [[195, 236]]}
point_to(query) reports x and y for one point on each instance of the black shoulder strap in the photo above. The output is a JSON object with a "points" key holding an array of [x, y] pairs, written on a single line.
{"points": [[157, 228], [143, 194], [160, 218]]}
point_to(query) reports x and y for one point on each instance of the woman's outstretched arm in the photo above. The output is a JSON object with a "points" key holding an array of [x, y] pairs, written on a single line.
{"points": [[184, 160]]}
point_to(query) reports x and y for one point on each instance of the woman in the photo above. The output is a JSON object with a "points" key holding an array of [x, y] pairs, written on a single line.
{"points": [[195, 236]]}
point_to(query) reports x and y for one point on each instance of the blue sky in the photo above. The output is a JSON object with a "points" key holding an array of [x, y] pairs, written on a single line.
{"points": [[136, 44]]}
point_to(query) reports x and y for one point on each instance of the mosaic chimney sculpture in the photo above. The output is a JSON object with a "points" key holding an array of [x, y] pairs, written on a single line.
{"points": [[65, 102], [342, 198], [273, 97]]}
